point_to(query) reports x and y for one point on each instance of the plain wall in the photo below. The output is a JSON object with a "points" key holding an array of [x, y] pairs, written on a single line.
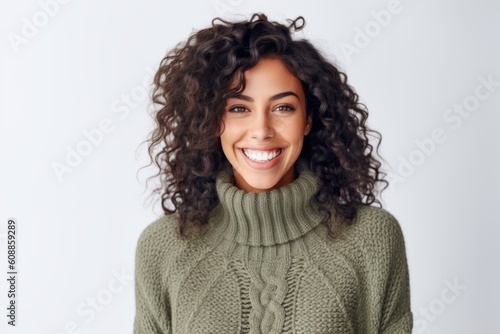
{"points": [[70, 68]]}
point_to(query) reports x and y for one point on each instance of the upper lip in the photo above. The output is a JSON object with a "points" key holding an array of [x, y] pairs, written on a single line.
{"points": [[262, 148]]}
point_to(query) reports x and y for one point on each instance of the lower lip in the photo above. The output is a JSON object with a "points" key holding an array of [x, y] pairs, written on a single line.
{"points": [[262, 165]]}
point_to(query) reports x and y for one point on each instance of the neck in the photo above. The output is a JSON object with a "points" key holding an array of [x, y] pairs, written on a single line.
{"points": [[240, 182], [268, 218]]}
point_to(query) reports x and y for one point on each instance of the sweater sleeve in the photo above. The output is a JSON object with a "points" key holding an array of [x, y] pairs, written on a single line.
{"points": [[397, 317], [152, 308]]}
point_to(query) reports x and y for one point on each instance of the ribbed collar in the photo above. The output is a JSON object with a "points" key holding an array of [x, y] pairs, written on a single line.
{"points": [[268, 218]]}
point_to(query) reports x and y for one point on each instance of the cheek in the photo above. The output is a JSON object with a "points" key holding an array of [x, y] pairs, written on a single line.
{"points": [[306, 125], [297, 131], [221, 128], [231, 131], [227, 139]]}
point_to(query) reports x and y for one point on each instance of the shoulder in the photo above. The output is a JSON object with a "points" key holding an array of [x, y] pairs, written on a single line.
{"points": [[378, 230], [158, 238], [157, 231], [373, 219]]}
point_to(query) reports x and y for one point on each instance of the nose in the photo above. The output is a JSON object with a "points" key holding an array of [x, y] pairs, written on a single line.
{"points": [[261, 127]]}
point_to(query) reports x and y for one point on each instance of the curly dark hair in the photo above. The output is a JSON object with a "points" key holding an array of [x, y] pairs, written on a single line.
{"points": [[191, 87]]}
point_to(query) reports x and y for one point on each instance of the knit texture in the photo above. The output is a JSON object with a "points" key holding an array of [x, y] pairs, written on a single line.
{"points": [[266, 265]]}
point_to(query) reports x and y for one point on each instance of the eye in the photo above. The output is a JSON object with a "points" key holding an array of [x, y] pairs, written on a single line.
{"points": [[237, 109], [284, 108]]}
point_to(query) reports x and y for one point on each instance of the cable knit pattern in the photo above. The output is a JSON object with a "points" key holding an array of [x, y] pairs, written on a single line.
{"points": [[265, 265]]}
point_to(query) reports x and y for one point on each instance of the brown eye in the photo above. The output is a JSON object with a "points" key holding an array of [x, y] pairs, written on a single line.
{"points": [[237, 109], [284, 108]]}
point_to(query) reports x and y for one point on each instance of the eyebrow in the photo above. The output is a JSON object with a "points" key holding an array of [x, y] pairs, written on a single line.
{"points": [[272, 98]]}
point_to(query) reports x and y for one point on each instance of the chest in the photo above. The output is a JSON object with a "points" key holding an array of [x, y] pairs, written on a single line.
{"points": [[279, 295]]}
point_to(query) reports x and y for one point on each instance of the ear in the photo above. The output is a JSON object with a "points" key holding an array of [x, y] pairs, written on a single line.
{"points": [[308, 126]]}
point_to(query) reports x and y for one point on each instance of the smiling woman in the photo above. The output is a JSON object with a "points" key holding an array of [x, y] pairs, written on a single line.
{"points": [[267, 183], [263, 128]]}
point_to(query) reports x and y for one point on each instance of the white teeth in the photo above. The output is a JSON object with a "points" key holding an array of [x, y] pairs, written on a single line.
{"points": [[262, 156]]}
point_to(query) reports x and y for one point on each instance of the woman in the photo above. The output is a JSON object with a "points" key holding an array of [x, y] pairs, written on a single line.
{"points": [[267, 176]]}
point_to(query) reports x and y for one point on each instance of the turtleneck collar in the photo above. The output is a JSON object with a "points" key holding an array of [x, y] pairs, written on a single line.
{"points": [[268, 218]]}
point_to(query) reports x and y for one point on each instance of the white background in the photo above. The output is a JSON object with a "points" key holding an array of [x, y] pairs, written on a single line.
{"points": [[76, 70]]}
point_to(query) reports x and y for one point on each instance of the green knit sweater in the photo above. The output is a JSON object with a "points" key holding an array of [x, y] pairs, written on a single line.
{"points": [[265, 265]]}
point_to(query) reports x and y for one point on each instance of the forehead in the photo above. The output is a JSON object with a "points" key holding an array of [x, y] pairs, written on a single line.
{"points": [[268, 77]]}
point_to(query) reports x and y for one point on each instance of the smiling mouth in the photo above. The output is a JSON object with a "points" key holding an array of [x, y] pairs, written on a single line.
{"points": [[261, 156]]}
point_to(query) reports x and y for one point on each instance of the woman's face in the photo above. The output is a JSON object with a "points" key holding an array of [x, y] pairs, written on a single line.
{"points": [[263, 129]]}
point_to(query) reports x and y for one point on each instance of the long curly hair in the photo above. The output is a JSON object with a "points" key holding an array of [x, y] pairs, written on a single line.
{"points": [[191, 87]]}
